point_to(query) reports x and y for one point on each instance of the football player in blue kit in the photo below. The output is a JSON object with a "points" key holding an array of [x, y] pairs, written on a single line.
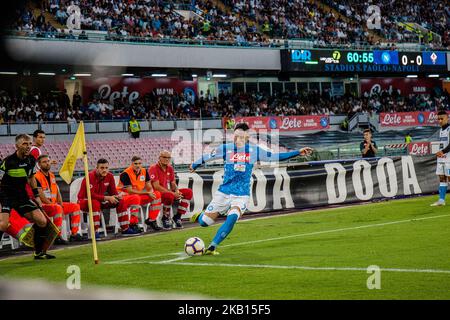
{"points": [[443, 157], [233, 194]]}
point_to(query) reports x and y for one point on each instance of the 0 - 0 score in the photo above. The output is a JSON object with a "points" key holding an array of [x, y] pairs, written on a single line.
{"points": [[418, 60]]}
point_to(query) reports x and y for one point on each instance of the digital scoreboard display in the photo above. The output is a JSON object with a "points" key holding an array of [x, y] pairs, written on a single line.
{"points": [[363, 61]]}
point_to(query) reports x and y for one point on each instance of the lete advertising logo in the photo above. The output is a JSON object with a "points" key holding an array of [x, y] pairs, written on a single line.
{"points": [[419, 148]]}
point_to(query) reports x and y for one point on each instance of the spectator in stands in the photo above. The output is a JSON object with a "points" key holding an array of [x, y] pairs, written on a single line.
{"points": [[105, 196], [76, 100], [83, 36], [52, 202], [368, 147], [135, 180], [162, 176]]}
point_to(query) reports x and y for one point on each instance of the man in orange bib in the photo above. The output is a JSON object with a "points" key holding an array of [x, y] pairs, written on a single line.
{"points": [[52, 201], [135, 181]]}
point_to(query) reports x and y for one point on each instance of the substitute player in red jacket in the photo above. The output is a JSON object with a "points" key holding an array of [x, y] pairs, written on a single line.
{"points": [[105, 196], [162, 177], [135, 180]]}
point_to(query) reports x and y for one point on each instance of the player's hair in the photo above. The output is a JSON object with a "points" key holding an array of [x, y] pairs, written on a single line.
{"points": [[241, 125], [102, 161], [22, 136], [42, 156], [135, 158], [442, 113], [367, 130], [38, 132]]}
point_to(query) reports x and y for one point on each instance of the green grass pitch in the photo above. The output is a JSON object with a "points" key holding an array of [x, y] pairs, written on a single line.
{"points": [[310, 255]]}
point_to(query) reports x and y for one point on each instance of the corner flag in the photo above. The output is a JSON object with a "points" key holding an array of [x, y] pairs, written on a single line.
{"points": [[76, 152]]}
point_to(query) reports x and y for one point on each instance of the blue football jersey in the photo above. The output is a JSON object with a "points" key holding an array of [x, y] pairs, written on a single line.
{"points": [[239, 164]]}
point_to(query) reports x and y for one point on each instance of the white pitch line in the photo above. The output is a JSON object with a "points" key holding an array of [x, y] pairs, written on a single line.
{"points": [[140, 258], [333, 230], [267, 266], [293, 236]]}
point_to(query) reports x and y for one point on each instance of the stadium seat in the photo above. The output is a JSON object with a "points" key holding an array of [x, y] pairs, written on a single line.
{"points": [[8, 240], [86, 222]]}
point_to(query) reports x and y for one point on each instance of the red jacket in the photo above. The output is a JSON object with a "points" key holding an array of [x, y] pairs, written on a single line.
{"points": [[98, 187]]}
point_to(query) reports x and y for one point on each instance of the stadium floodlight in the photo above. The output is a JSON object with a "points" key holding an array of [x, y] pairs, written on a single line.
{"points": [[219, 75], [82, 74], [127, 74], [159, 75], [411, 76], [194, 76], [46, 73], [8, 72], [433, 76]]}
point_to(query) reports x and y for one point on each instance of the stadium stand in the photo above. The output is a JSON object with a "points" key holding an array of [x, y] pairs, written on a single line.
{"points": [[244, 22], [40, 107]]}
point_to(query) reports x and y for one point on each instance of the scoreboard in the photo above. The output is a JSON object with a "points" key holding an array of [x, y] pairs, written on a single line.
{"points": [[391, 61]]}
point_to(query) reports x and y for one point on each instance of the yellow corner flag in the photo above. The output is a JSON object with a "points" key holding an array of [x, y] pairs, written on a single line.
{"points": [[76, 152]]}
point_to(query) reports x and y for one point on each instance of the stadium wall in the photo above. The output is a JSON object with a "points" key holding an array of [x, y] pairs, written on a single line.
{"points": [[314, 184], [101, 53]]}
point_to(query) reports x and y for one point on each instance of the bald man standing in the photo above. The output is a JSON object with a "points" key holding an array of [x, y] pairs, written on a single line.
{"points": [[162, 177]]}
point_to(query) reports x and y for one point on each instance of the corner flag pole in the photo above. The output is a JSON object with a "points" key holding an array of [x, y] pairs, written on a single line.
{"points": [[91, 216], [77, 151]]}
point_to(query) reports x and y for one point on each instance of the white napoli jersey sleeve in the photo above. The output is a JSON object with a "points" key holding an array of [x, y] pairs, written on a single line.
{"points": [[444, 136]]}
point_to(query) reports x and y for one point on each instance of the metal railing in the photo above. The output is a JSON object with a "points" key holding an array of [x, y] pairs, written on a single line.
{"points": [[102, 36]]}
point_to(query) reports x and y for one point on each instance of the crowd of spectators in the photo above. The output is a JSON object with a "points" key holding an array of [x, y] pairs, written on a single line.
{"points": [[432, 15], [56, 106], [245, 21]]}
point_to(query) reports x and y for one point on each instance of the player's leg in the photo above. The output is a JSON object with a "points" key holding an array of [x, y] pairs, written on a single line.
{"points": [[4, 223], [55, 211], [127, 222], [73, 210], [238, 205], [96, 208], [440, 171], [219, 203], [4, 217], [40, 231], [132, 202], [183, 206], [20, 228], [153, 210], [167, 200]]}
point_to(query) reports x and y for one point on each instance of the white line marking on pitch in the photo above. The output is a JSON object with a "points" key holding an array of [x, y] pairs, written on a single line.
{"points": [[291, 236], [334, 230], [206, 264]]}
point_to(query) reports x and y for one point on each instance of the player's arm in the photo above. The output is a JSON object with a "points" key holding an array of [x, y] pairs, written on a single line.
{"points": [[33, 184], [59, 199], [112, 191], [266, 155], [373, 145], [216, 154], [158, 187], [441, 153]]}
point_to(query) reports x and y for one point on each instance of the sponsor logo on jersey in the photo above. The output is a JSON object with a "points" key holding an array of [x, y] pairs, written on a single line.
{"points": [[240, 157]]}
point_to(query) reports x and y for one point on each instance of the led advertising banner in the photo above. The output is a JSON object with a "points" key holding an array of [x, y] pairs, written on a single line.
{"points": [[375, 61]]}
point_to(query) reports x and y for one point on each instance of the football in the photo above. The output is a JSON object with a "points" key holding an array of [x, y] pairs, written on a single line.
{"points": [[194, 246]]}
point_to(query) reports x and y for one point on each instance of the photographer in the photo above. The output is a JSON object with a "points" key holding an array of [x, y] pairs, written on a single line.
{"points": [[368, 147]]}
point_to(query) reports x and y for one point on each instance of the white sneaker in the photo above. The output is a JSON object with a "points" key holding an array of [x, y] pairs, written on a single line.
{"points": [[438, 203]]}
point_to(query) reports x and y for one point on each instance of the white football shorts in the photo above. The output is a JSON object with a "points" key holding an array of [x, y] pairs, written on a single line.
{"points": [[222, 202]]}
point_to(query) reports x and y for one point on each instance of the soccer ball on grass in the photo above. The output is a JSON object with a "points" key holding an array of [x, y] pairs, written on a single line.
{"points": [[194, 246]]}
